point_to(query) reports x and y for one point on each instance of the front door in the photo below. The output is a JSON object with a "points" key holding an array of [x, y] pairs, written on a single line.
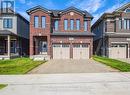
{"points": [[43, 47]]}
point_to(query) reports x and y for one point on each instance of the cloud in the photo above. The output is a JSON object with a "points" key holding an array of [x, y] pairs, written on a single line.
{"points": [[114, 7], [89, 5], [30, 3], [22, 1]]}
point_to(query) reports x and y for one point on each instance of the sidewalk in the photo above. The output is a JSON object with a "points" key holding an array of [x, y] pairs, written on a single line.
{"points": [[67, 84]]}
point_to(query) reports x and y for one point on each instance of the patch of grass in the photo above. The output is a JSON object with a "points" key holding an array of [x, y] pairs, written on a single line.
{"points": [[18, 66], [122, 66], [2, 86]]}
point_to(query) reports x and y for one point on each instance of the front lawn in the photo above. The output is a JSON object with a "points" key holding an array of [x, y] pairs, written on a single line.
{"points": [[2, 86], [18, 66], [122, 66]]}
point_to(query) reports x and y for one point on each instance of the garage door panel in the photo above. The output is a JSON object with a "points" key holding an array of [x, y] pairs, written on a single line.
{"points": [[81, 51], [118, 51], [61, 51]]}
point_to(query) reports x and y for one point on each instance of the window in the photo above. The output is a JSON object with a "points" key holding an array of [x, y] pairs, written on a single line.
{"points": [[36, 21], [76, 45], [85, 25], [127, 10], [43, 22], [127, 24], [71, 24], [56, 25], [65, 24], [77, 24], [7, 23], [105, 26], [120, 24]]}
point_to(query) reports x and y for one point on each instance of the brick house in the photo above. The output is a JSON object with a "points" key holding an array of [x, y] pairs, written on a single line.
{"points": [[113, 33], [14, 34], [60, 34]]}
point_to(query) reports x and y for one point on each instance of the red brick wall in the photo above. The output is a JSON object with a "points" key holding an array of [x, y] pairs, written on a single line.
{"points": [[74, 17], [39, 31]]}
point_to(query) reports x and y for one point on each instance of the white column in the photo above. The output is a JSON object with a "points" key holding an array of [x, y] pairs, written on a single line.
{"points": [[9, 45]]}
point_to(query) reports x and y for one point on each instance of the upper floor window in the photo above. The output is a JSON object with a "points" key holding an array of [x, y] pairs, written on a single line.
{"points": [[126, 23], [85, 25], [105, 26], [77, 24], [43, 22], [120, 23], [65, 24], [128, 10], [71, 24], [7, 23], [56, 25], [36, 21]]}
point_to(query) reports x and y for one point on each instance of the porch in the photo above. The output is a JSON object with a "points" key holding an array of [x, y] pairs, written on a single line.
{"points": [[9, 47], [40, 48]]}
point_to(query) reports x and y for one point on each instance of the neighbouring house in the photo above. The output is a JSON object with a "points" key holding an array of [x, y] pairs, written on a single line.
{"points": [[14, 34], [60, 34], [113, 33]]}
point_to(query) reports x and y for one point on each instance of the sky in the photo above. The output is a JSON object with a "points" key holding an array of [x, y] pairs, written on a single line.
{"points": [[94, 7]]}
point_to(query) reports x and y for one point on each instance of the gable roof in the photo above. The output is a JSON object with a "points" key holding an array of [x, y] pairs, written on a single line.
{"points": [[59, 12], [122, 8], [38, 8], [112, 14]]}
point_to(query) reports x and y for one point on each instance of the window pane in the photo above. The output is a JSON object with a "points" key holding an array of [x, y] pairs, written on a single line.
{"points": [[120, 24], [128, 24], [36, 21], [65, 24], [56, 25], [72, 24], [85, 25], [43, 21], [77, 24], [10, 23], [125, 25]]}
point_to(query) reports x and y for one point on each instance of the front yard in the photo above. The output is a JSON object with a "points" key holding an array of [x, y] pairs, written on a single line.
{"points": [[18, 66], [122, 66]]}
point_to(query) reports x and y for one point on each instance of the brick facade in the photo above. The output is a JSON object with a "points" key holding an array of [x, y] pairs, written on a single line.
{"points": [[36, 33]]}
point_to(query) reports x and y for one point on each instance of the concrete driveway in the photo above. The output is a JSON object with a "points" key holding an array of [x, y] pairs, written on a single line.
{"points": [[125, 60], [67, 84], [71, 66]]}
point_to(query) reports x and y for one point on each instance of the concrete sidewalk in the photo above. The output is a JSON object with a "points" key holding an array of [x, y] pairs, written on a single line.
{"points": [[67, 84]]}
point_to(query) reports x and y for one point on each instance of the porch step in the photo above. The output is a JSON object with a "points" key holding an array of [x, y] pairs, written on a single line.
{"points": [[40, 57]]}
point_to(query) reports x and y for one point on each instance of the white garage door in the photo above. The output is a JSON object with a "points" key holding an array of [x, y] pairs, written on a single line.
{"points": [[118, 51], [61, 51], [80, 51]]}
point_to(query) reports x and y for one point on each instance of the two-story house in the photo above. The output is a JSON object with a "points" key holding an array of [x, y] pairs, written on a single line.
{"points": [[60, 34], [14, 34], [113, 33]]}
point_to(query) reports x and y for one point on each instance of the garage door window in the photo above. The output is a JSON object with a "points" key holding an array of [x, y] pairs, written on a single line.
{"points": [[114, 45], [65, 45], [122, 45], [76, 46], [56, 45], [84, 45]]}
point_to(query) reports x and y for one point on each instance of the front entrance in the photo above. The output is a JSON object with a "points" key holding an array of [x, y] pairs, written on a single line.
{"points": [[42, 47], [61, 51], [80, 51], [118, 51]]}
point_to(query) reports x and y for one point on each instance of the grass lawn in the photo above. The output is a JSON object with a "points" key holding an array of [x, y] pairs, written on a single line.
{"points": [[18, 66], [2, 86], [122, 66]]}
